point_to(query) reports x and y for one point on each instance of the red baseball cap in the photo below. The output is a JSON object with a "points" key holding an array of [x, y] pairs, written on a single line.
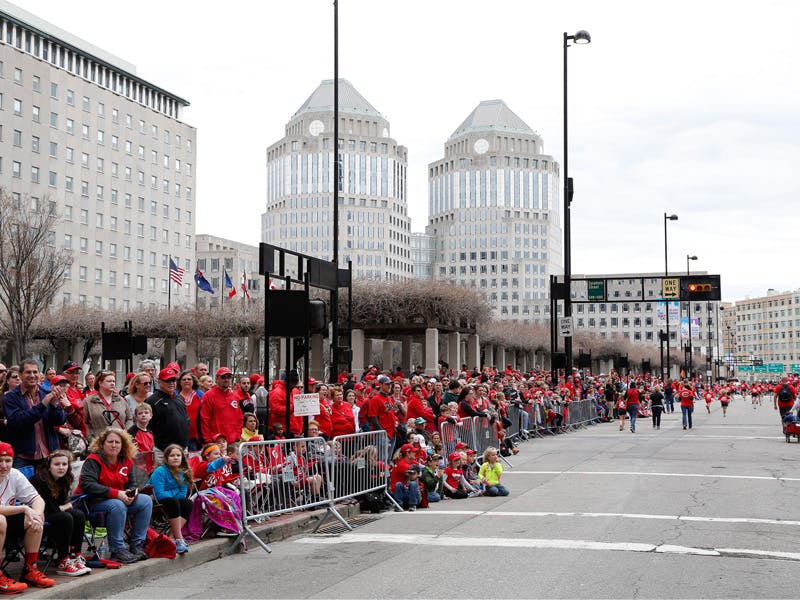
{"points": [[6, 449], [454, 456], [167, 373], [56, 379], [461, 445], [223, 371], [407, 448]]}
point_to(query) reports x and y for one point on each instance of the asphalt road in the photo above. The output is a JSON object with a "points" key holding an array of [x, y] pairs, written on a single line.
{"points": [[599, 513]]}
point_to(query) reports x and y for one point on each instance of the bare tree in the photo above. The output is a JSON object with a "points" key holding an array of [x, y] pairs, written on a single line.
{"points": [[32, 265]]}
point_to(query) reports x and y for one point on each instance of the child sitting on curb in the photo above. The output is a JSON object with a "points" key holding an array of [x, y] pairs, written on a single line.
{"points": [[406, 492]]}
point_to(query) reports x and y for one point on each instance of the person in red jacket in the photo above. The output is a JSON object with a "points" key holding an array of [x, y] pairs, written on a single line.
{"points": [[277, 405], [342, 418], [686, 396], [324, 416], [220, 410], [418, 407]]}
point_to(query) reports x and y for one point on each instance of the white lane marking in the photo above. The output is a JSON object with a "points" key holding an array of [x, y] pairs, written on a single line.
{"points": [[692, 518], [538, 543], [651, 474]]}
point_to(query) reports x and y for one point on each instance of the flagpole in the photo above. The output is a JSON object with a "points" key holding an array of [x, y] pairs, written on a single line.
{"points": [[169, 284], [222, 292]]}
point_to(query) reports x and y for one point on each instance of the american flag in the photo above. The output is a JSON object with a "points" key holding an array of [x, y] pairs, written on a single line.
{"points": [[175, 272]]}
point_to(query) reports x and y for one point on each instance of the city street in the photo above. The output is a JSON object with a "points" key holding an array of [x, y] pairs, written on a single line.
{"points": [[598, 513]]}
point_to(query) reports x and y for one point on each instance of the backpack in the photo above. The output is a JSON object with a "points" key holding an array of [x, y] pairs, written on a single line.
{"points": [[785, 393]]}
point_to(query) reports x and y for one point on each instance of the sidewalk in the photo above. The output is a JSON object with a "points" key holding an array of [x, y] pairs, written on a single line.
{"points": [[101, 583]]}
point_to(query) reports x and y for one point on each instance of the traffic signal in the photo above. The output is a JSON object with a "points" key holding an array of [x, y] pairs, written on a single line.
{"points": [[700, 287]]}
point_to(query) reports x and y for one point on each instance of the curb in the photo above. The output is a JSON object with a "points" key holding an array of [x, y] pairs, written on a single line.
{"points": [[102, 583]]}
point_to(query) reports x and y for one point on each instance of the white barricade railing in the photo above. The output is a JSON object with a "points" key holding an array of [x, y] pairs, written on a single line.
{"points": [[281, 476], [485, 435], [452, 433], [361, 463]]}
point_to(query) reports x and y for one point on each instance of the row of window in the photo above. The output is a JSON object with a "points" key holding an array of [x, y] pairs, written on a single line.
{"points": [[124, 305], [50, 50]]}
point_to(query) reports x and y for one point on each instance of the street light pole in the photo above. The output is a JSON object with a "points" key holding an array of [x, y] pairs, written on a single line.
{"points": [[666, 274], [689, 302], [581, 37]]}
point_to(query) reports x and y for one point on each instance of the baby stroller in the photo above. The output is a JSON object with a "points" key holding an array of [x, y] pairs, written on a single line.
{"points": [[791, 427]]}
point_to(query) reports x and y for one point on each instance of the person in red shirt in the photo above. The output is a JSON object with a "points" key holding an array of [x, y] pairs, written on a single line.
{"points": [[220, 410], [402, 465], [324, 416], [686, 396], [708, 396], [632, 404], [380, 412], [343, 421], [418, 407], [784, 396], [724, 400], [75, 396]]}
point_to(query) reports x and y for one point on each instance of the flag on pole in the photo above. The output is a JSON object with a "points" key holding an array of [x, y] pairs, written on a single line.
{"points": [[202, 282], [175, 272], [229, 286], [246, 294]]}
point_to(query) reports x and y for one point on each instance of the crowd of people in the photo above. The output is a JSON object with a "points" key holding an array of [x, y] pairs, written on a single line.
{"points": [[178, 430]]}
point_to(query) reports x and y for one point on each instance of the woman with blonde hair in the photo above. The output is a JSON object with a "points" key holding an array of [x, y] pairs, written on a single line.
{"points": [[138, 390], [107, 478]]}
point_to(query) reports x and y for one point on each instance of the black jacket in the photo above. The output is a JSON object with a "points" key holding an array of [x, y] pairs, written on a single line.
{"points": [[170, 422]]}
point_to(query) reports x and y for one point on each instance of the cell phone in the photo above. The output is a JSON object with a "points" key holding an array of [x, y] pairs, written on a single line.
{"points": [[133, 492]]}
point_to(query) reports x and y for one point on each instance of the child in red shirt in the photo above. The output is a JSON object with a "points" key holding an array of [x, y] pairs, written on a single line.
{"points": [[143, 437]]}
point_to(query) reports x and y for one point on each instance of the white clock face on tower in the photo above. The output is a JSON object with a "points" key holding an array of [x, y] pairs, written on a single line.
{"points": [[316, 127], [481, 146]]}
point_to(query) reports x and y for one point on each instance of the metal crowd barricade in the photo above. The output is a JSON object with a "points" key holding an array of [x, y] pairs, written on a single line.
{"points": [[536, 421], [361, 463], [514, 414], [486, 435], [581, 413], [452, 433], [282, 476]]}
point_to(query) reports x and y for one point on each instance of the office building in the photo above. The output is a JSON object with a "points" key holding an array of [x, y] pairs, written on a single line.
{"points": [[82, 132], [374, 227], [216, 257], [494, 212], [767, 330]]}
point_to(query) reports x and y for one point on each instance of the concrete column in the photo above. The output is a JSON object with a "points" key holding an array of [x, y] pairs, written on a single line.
{"points": [[317, 369], [500, 357], [224, 352], [359, 350], [387, 353], [169, 350], [405, 353], [254, 356], [454, 350], [431, 351], [488, 355], [473, 356], [191, 352]]}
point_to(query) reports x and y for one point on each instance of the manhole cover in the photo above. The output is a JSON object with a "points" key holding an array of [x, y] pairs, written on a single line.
{"points": [[336, 527]]}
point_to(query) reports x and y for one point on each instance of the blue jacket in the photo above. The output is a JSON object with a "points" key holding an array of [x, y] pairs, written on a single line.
{"points": [[21, 420], [165, 486]]}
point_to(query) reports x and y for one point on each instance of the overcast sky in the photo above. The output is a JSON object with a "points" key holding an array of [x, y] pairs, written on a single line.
{"points": [[680, 107]]}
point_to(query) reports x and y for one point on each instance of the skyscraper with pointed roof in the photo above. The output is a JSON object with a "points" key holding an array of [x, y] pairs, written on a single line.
{"points": [[374, 227], [494, 212]]}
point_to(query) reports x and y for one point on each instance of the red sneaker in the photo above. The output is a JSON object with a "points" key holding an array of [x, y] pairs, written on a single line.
{"points": [[36, 578], [9, 586]]}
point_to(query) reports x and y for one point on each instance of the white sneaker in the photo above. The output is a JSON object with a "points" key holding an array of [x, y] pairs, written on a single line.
{"points": [[81, 562]]}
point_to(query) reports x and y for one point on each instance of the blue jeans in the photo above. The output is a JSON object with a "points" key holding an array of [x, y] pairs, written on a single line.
{"points": [[433, 497], [407, 495], [115, 514], [633, 412], [686, 412], [525, 420], [497, 490]]}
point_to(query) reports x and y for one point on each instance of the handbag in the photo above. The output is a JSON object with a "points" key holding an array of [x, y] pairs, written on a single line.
{"points": [[77, 443], [621, 404]]}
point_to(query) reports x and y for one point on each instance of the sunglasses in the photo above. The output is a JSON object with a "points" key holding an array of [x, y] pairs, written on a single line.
{"points": [[169, 380], [3, 370], [14, 376]]}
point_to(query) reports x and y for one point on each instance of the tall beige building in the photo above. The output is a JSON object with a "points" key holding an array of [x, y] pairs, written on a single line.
{"points": [[81, 130], [767, 329], [374, 226]]}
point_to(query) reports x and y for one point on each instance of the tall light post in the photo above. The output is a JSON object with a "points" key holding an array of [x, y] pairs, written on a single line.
{"points": [[689, 362], [580, 37], [666, 274]]}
